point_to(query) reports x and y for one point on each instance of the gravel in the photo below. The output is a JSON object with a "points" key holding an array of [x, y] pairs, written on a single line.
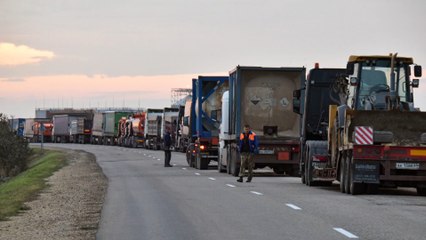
{"points": [[70, 208]]}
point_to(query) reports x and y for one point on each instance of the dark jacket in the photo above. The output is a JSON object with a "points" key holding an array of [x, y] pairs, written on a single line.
{"points": [[167, 141], [253, 142]]}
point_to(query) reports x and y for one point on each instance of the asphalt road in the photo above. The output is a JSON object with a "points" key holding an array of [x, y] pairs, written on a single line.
{"points": [[147, 201]]}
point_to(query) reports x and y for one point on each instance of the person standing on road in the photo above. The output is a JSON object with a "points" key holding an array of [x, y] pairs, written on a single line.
{"points": [[167, 151], [248, 147]]}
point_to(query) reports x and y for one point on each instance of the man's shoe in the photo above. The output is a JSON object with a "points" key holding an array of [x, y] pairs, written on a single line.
{"points": [[248, 179], [169, 165], [240, 179]]}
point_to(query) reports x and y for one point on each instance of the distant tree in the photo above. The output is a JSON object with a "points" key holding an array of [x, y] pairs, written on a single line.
{"points": [[14, 151]]}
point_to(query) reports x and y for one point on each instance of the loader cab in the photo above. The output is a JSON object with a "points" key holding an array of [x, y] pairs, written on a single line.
{"points": [[371, 86]]}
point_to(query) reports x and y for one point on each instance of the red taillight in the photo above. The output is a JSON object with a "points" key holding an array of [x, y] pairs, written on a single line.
{"points": [[295, 149], [319, 158]]}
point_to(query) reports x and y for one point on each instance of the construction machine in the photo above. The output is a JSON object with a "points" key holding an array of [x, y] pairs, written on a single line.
{"points": [[376, 137]]}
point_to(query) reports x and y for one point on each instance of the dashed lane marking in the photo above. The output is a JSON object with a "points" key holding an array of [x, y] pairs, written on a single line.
{"points": [[213, 179], [293, 206], [183, 168], [344, 232], [257, 193], [230, 185], [198, 174]]}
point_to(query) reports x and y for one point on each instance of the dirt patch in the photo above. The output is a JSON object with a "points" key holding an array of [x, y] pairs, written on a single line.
{"points": [[70, 208]]}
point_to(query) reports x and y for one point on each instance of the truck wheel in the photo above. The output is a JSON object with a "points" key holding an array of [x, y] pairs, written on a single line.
{"points": [[372, 188], [220, 167], [303, 177], [421, 191], [278, 170], [354, 188], [342, 176]]}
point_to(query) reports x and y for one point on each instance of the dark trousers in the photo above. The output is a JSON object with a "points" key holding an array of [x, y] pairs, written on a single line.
{"points": [[167, 157]]}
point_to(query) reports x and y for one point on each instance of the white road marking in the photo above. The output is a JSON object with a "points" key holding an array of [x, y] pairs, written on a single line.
{"points": [[230, 185], [197, 174], [257, 193], [344, 232], [293, 206], [174, 164], [183, 168], [159, 159], [213, 179]]}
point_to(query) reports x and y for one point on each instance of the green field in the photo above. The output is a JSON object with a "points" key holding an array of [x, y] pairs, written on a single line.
{"points": [[27, 185]]}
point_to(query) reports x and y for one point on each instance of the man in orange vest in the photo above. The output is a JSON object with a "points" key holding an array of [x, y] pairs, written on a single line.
{"points": [[248, 147]]}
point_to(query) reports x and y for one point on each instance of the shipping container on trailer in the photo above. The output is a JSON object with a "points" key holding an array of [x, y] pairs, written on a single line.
{"points": [[262, 98], [203, 120], [153, 128]]}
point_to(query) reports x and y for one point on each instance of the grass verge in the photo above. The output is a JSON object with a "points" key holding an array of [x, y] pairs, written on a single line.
{"points": [[25, 187]]}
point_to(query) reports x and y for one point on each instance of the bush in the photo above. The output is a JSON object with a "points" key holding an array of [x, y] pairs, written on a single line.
{"points": [[14, 151]]}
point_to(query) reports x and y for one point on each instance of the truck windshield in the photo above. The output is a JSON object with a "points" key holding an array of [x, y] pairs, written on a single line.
{"points": [[375, 84]]}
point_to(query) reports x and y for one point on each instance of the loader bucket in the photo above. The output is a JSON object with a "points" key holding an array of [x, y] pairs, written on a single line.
{"points": [[407, 128]]}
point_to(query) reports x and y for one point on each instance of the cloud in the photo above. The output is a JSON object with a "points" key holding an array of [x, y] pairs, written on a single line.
{"points": [[13, 80], [13, 55]]}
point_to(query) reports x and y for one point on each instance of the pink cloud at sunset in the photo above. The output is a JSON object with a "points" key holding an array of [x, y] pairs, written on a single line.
{"points": [[12, 55]]}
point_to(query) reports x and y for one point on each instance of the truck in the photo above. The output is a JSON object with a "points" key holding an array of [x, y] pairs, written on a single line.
{"points": [[153, 128], [261, 97], [81, 130], [376, 137], [135, 130], [203, 119], [110, 127], [43, 129], [182, 132], [312, 102], [17, 125], [29, 129], [61, 128], [97, 128], [169, 123]]}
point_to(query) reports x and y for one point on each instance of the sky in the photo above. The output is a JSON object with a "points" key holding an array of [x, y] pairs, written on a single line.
{"points": [[131, 53]]}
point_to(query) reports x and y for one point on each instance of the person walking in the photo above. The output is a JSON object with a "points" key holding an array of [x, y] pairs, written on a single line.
{"points": [[248, 147], [167, 151]]}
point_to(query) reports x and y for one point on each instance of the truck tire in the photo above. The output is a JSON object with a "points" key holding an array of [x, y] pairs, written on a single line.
{"points": [[421, 191], [312, 148], [278, 170], [220, 167], [342, 172], [235, 169]]}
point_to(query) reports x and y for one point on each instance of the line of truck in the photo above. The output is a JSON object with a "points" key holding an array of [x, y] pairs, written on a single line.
{"points": [[355, 125]]}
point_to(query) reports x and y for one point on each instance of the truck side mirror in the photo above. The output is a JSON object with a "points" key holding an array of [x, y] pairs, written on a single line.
{"points": [[296, 101], [186, 121], [417, 71], [415, 83], [350, 68]]}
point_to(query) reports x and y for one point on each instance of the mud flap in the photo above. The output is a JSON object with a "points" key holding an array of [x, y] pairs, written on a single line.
{"points": [[366, 173]]}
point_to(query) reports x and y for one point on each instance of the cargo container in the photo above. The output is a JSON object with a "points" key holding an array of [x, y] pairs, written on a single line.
{"points": [[97, 128], [17, 126], [134, 133], [153, 128], [29, 129], [182, 131], [262, 98], [61, 128], [203, 120], [110, 127], [81, 130]]}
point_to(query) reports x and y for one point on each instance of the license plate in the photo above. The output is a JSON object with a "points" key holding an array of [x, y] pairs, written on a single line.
{"points": [[266, 151], [408, 166]]}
